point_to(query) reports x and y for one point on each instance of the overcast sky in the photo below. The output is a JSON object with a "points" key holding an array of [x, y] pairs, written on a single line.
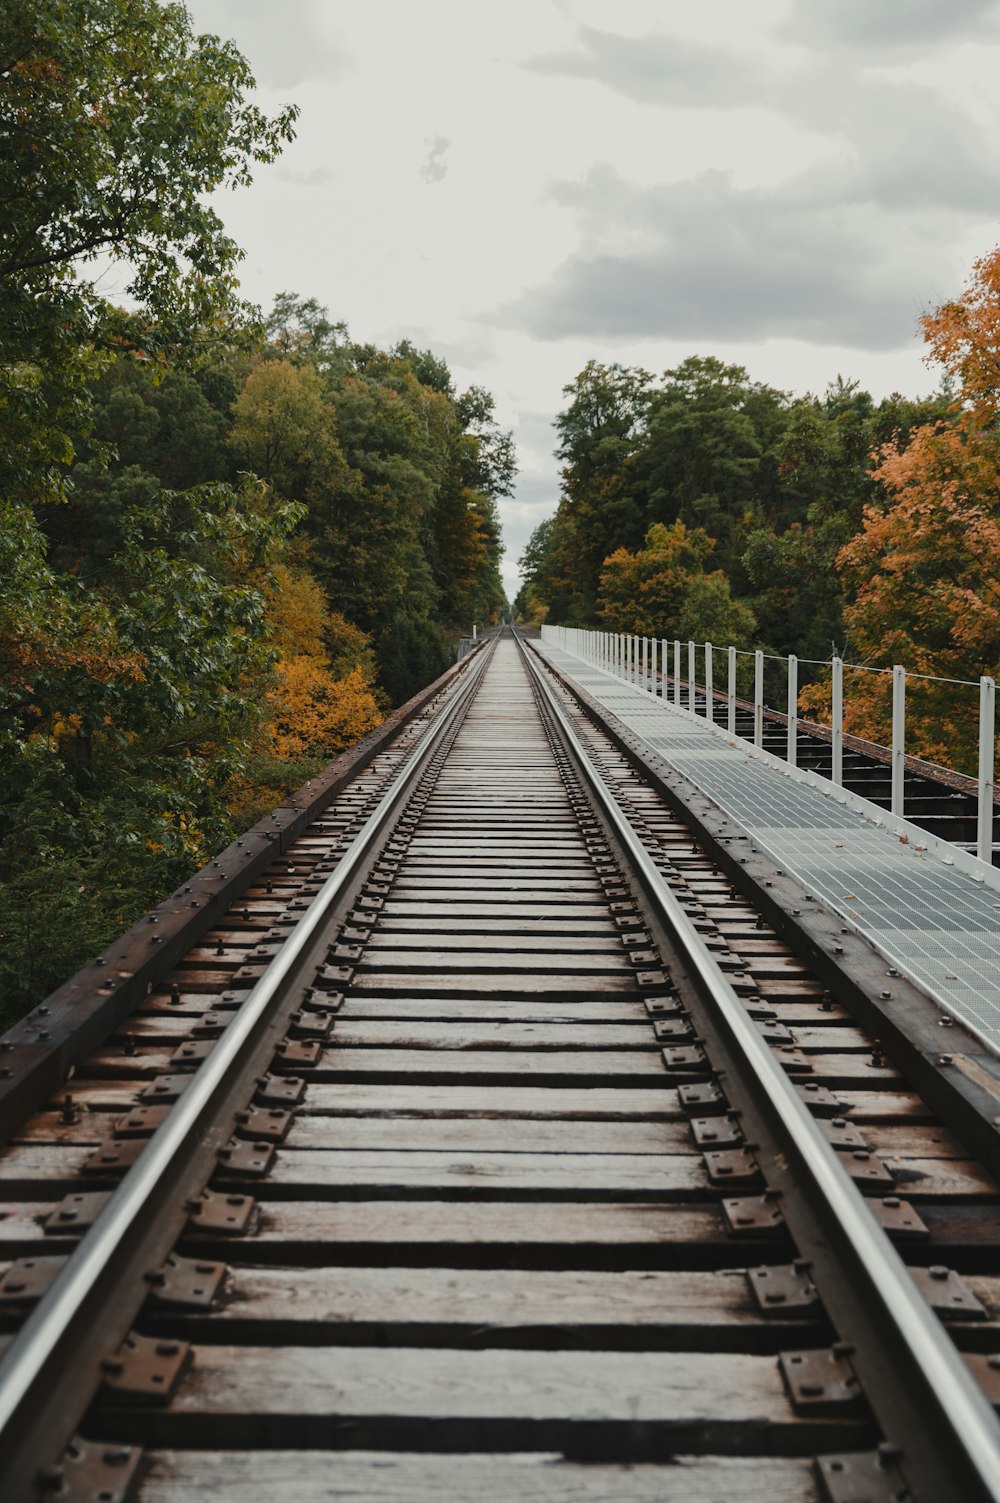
{"points": [[528, 185]]}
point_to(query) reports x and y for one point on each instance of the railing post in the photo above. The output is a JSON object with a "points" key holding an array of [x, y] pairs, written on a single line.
{"points": [[898, 739], [837, 720], [652, 666], [709, 706], [692, 672], [643, 663], [792, 753], [731, 692], [663, 668], [758, 698], [677, 672], [987, 720]]}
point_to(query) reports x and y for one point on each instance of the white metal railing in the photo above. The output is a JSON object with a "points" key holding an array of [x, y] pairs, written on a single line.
{"points": [[635, 659]]}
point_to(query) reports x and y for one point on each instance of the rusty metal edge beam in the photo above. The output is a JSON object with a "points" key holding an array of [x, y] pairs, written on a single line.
{"points": [[38, 1053]]}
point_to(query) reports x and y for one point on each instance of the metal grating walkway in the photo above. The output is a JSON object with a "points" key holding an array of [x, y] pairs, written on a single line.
{"points": [[932, 911]]}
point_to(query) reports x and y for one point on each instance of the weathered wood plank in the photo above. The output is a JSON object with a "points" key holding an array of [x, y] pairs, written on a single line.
{"points": [[473, 962], [837, 1038], [454, 1233], [699, 1310], [528, 887], [614, 1009], [393, 940], [499, 983], [543, 901], [938, 1179], [399, 1477], [883, 1106], [353, 1033], [484, 905], [489, 1135], [399, 1065], [608, 1404], [912, 1141], [435, 1175], [514, 921]]}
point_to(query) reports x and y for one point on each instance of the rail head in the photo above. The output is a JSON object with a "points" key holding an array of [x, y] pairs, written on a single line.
{"points": [[951, 1442]]}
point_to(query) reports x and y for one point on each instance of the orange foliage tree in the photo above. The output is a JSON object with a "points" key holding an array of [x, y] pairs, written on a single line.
{"points": [[662, 589], [922, 573], [321, 698]]}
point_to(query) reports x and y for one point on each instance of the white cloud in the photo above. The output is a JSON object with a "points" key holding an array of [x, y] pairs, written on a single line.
{"points": [[655, 68], [708, 260], [435, 168], [877, 28]]}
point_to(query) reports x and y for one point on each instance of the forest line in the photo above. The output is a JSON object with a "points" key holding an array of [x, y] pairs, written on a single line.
{"points": [[229, 541], [708, 506]]}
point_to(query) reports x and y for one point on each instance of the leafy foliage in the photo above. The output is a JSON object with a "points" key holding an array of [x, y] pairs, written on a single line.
{"points": [[225, 542], [920, 573], [779, 485]]}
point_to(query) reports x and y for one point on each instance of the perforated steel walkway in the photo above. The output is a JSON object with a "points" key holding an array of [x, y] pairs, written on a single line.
{"points": [[932, 910]]}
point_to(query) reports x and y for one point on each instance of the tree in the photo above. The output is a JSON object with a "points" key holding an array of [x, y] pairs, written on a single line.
{"points": [[920, 572], [282, 425], [300, 330], [662, 590], [322, 697], [709, 453], [131, 613], [599, 434], [116, 123]]}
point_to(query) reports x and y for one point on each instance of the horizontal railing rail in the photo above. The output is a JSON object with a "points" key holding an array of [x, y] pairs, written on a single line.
{"points": [[645, 662]]}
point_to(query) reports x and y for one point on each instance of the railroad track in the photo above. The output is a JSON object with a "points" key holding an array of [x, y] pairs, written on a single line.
{"points": [[497, 1139]]}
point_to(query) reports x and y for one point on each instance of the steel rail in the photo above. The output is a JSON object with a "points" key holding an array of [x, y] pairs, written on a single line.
{"points": [[953, 1445], [50, 1371]]}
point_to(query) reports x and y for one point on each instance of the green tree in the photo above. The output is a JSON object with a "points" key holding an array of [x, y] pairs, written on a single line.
{"points": [[116, 122], [708, 457], [600, 433]]}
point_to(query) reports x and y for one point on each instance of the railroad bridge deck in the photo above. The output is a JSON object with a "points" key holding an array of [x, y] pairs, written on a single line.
{"points": [[505, 1136]]}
